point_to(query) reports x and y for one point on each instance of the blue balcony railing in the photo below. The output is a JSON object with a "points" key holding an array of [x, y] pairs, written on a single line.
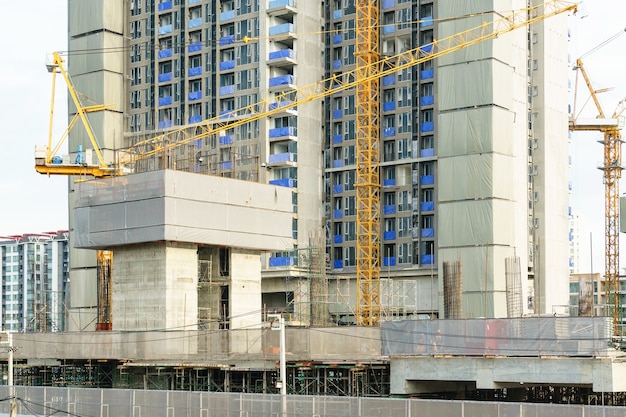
{"points": [[337, 14], [227, 40], [279, 132], [227, 15], [337, 114], [337, 264], [194, 95], [427, 179], [275, 4], [389, 235], [226, 140], [281, 80], [283, 53], [165, 29], [281, 158], [427, 100], [426, 153], [281, 29], [337, 189], [389, 261], [337, 163], [227, 65], [165, 77], [389, 131], [427, 206], [337, 139], [389, 209], [426, 21], [194, 71], [194, 23], [389, 182], [226, 165], [388, 29], [387, 4], [337, 64], [194, 47], [427, 126], [282, 261], [165, 53], [427, 259], [427, 74], [195, 119], [227, 89], [337, 214], [337, 39], [164, 124], [389, 80], [428, 232], [389, 106], [338, 239], [165, 101], [163, 6]]}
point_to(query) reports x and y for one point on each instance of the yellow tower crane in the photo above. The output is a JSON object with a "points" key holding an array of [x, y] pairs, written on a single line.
{"points": [[364, 79], [611, 173]]}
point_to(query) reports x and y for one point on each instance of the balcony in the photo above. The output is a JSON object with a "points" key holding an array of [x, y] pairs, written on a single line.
{"points": [[286, 132], [337, 163], [427, 126], [337, 239], [426, 21], [164, 124], [226, 165], [195, 1], [195, 119], [337, 264], [163, 6], [389, 261], [337, 64], [281, 7], [337, 113], [337, 189], [227, 90], [337, 14], [165, 30], [282, 58], [389, 106], [389, 80], [389, 29], [227, 40], [226, 140], [337, 39], [389, 235], [389, 131], [165, 53], [194, 95], [337, 139], [428, 232], [194, 23], [427, 179], [284, 182], [427, 206], [389, 209], [165, 77], [194, 47], [284, 108], [388, 4], [337, 214], [227, 15], [427, 100], [282, 82], [427, 74], [194, 71], [282, 31], [427, 259], [391, 182], [427, 153], [227, 65], [283, 159], [165, 101], [282, 261]]}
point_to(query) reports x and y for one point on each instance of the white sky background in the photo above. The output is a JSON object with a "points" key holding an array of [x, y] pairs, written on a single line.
{"points": [[32, 203]]}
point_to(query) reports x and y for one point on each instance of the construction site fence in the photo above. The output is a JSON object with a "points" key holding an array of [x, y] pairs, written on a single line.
{"points": [[527, 336], [46, 401]]}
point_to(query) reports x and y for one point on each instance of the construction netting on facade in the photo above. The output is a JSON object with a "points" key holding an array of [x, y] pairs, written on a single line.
{"points": [[528, 336]]}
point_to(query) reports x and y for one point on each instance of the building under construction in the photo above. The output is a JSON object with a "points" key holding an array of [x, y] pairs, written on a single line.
{"points": [[424, 179]]}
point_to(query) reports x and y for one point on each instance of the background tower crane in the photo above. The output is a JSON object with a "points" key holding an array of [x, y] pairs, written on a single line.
{"points": [[611, 173]]}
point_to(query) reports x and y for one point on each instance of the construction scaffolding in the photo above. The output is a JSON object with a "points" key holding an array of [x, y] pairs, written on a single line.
{"points": [[452, 290]]}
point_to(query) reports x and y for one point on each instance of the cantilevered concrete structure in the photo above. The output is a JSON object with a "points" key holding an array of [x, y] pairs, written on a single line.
{"points": [[186, 247]]}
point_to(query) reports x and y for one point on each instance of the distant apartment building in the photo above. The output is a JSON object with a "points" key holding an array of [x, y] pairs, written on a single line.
{"points": [[34, 281]]}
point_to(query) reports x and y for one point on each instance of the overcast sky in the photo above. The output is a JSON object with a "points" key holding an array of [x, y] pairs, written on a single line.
{"points": [[33, 203]]}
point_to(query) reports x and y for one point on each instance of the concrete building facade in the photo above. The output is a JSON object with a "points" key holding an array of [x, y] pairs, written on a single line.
{"points": [[473, 145]]}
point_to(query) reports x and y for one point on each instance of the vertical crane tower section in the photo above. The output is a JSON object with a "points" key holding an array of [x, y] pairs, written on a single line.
{"points": [[367, 169]]}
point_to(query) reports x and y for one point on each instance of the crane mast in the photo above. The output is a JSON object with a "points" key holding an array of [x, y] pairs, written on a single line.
{"points": [[367, 165]]}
